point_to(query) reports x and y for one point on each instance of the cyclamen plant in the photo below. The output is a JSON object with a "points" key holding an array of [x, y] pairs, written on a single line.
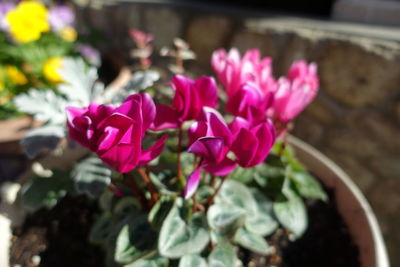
{"points": [[180, 183], [193, 185]]}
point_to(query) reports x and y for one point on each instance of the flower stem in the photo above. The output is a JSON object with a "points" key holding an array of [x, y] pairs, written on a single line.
{"points": [[149, 184], [130, 181], [211, 199], [178, 163], [212, 182]]}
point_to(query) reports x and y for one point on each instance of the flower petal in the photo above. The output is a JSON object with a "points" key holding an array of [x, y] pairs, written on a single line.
{"points": [[153, 152], [192, 183]]}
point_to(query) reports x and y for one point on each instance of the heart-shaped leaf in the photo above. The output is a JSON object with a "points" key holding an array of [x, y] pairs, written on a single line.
{"points": [[222, 256], [178, 237], [308, 186], [252, 242], [225, 219], [192, 260], [291, 212], [135, 240]]}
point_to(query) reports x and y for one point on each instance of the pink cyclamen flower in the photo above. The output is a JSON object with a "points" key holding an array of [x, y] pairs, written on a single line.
{"points": [[210, 139], [252, 142], [140, 38], [295, 92], [60, 17], [249, 102], [116, 134], [233, 72], [190, 98], [5, 7]]}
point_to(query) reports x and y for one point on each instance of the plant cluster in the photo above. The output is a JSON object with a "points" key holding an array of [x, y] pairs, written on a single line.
{"points": [[179, 182], [33, 41]]}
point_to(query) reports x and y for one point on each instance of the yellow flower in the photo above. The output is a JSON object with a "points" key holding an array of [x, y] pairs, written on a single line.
{"points": [[28, 21], [1, 86], [69, 34], [50, 69], [15, 75]]}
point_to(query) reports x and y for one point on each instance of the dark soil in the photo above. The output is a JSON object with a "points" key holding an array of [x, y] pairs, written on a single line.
{"points": [[58, 236], [326, 243]]}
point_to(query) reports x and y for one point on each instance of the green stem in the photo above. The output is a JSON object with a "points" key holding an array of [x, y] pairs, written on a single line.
{"points": [[211, 199], [152, 189], [130, 181]]}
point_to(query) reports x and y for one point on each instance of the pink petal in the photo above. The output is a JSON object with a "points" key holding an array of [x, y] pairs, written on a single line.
{"points": [[244, 147], [166, 118], [265, 134], [123, 157], [192, 183], [153, 152], [237, 124], [207, 91], [208, 148], [222, 168], [219, 128]]}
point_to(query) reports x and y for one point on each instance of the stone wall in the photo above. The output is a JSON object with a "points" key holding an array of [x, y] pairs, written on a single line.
{"points": [[355, 119]]}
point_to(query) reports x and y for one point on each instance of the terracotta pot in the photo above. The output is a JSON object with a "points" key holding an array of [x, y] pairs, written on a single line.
{"points": [[352, 205]]}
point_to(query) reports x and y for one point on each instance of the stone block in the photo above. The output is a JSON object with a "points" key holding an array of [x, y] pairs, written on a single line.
{"points": [[378, 128], [207, 33], [354, 76], [164, 23], [352, 143]]}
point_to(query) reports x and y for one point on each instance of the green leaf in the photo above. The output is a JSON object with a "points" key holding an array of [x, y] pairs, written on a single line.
{"points": [[239, 195], [160, 211], [308, 186], [178, 238], [45, 138], [290, 158], [126, 206], [192, 260], [291, 212], [203, 193], [223, 255], [101, 228], [135, 240], [91, 176], [45, 106], [252, 242], [263, 223], [80, 86], [243, 175], [45, 192], [225, 219], [155, 261]]}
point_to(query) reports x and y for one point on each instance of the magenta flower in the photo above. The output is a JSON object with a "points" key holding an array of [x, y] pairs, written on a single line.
{"points": [[296, 92], [252, 143], [249, 102], [233, 72], [5, 7], [116, 134], [60, 17], [210, 140], [190, 98]]}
